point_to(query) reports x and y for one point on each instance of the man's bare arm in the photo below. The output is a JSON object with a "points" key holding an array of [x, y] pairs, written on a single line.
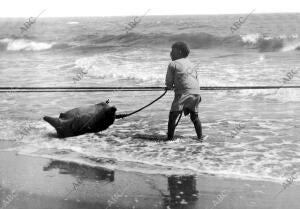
{"points": [[170, 77]]}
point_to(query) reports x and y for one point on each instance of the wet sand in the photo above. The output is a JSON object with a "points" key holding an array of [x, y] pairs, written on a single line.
{"points": [[38, 183]]}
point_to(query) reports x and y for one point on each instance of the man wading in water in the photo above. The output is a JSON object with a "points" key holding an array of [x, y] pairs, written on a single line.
{"points": [[182, 77]]}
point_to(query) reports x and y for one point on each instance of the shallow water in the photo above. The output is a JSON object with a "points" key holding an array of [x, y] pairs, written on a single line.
{"points": [[251, 133]]}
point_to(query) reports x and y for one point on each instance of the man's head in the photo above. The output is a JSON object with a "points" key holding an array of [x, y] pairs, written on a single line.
{"points": [[179, 50]]}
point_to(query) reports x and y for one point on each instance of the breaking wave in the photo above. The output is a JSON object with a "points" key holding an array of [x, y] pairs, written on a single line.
{"points": [[270, 44], [85, 43], [24, 45]]}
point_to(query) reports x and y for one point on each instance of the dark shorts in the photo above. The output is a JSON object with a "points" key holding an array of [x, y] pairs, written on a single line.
{"points": [[186, 102]]}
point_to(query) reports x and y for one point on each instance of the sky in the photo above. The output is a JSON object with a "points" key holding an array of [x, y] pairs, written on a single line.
{"points": [[64, 8]]}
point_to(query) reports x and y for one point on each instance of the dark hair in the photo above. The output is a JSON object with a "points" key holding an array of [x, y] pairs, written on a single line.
{"points": [[183, 47]]}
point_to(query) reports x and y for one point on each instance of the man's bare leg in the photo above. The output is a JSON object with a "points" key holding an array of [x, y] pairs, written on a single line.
{"points": [[197, 124], [171, 124]]}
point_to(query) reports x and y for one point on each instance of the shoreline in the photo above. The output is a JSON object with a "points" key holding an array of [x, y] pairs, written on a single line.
{"points": [[36, 182]]}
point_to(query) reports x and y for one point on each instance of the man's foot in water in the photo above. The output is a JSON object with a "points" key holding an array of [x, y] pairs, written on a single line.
{"points": [[202, 138], [168, 139]]}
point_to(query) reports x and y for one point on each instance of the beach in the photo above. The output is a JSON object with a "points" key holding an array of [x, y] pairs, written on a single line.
{"points": [[250, 155], [44, 183]]}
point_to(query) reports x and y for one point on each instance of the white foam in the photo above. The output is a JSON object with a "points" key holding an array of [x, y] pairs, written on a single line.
{"points": [[102, 66], [251, 38], [73, 23], [25, 45], [291, 47]]}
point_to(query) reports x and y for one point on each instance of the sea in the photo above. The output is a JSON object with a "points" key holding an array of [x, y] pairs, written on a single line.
{"points": [[250, 134]]}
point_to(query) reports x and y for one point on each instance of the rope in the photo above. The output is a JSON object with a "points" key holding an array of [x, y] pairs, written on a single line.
{"points": [[107, 89], [128, 114], [178, 119]]}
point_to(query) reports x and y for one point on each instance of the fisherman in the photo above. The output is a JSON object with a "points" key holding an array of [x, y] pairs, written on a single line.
{"points": [[182, 78]]}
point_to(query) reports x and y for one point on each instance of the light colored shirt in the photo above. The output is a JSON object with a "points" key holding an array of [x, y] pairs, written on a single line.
{"points": [[182, 76]]}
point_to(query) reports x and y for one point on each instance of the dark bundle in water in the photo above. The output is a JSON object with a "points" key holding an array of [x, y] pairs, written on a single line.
{"points": [[81, 120]]}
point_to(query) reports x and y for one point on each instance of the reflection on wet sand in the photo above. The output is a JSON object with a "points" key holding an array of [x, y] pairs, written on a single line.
{"points": [[182, 191], [81, 171]]}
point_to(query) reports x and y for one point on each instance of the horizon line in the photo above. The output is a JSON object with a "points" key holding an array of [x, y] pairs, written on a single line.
{"points": [[211, 14]]}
